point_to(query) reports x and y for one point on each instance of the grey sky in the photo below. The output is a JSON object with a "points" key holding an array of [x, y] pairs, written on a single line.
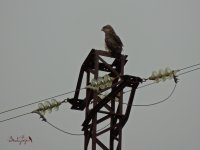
{"points": [[44, 42]]}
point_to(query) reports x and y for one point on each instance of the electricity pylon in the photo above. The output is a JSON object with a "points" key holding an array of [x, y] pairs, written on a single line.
{"points": [[107, 108]]}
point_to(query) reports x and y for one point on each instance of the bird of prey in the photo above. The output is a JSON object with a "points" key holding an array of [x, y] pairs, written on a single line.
{"points": [[112, 41]]}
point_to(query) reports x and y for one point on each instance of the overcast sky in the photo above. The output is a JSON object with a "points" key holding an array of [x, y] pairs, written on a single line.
{"points": [[44, 42]]}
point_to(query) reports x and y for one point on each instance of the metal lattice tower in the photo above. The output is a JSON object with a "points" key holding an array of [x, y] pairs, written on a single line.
{"points": [[100, 110]]}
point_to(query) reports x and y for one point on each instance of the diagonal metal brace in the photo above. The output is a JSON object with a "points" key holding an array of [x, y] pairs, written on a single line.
{"points": [[126, 81]]}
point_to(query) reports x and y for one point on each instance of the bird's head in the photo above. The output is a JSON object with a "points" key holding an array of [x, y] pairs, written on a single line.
{"points": [[108, 29]]}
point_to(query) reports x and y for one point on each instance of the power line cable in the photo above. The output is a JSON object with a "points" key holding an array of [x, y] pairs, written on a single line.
{"points": [[77, 134], [84, 88], [149, 84], [37, 111], [146, 85], [67, 132], [38, 101], [188, 71], [173, 88], [45, 120], [14, 117], [70, 133], [161, 101], [189, 67], [176, 75]]}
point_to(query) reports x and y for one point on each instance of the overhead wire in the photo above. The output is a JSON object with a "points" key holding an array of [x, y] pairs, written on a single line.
{"points": [[149, 84], [45, 120], [35, 111], [14, 117], [158, 102], [145, 85], [79, 134], [85, 88], [39, 101], [70, 133], [161, 101], [188, 71], [191, 66], [184, 68], [76, 134], [178, 74], [66, 132]]}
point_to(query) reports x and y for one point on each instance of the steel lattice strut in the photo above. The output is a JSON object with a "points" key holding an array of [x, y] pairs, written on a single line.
{"points": [[106, 109]]}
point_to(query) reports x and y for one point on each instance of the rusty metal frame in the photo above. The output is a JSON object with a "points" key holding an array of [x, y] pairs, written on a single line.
{"points": [[109, 109]]}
